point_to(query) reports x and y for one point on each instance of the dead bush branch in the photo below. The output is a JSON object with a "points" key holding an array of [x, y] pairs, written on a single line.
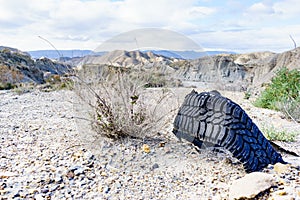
{"points": [[121, 105]]}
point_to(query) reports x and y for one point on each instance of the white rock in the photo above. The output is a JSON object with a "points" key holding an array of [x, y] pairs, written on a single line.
{"points": [[7, 174], [39, 197], [251, 185]]}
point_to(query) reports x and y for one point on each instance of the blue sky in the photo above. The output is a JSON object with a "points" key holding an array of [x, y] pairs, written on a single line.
{"points": [[233, 25]]}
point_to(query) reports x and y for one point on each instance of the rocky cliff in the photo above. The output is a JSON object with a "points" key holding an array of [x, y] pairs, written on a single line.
{"points": [[226, 71], [18, 67], [240, 71]]}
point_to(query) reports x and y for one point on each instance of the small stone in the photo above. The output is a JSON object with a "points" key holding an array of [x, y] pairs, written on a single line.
{"points": [[45, 190], [281, 168], [58, 179], [162, 144], [146, 148], [106, 189], [167, 150], [79, 171], [100, 188], [281, 182], [55, 187], [16, 194], [155, 166], [118, 185], [2, 192], [251, 185], [2, 186], [281, 193], [7, 174], [103, 174], [32, 191], [77, 155], [89, 156], [91, 175], [39, 197], [113, 169], [70, 175]]}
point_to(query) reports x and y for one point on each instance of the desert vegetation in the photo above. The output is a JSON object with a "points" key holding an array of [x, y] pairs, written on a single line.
{"points": [[122, 102], [283, 94], [273, 134], [9, 78], [58, 82]]}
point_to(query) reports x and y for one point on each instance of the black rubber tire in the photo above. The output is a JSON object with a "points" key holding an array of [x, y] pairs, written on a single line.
{"points": [[208, 117]]}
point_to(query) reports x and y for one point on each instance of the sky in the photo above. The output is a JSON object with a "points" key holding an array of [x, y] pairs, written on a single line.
{"points": [[230, 25]]}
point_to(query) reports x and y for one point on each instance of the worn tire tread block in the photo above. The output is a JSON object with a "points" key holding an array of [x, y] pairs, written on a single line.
{"points": [[210, 117]]}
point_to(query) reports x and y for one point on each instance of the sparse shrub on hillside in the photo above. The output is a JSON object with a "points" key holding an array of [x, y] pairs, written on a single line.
{"points": [[9, 77], [180, 64], [152, 78], [156, 80], [57, 82], [24, 88], [283, 94], [122, 105], [7, 86], [275, 135]]}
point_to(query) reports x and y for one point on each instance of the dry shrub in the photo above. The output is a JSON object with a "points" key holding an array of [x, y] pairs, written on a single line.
{"points": [[121, 105], [10, 75], [290, 108]]}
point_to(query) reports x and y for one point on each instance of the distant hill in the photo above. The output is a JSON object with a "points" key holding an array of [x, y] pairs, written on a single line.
{"points": [[54, 54], [9, 48], [123, 58], [188, 54], [13, 50]]}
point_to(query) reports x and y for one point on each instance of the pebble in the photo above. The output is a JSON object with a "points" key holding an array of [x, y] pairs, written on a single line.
{"points": [[281, 168], [155, 166], [146, 148], [38, 197], [45, 190]]}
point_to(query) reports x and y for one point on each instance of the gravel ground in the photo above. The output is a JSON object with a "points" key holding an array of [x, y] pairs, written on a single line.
{"points": [[48, 152]]}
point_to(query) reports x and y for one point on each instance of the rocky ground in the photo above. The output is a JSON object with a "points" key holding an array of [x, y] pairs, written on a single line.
{"points": [[48, 152]]}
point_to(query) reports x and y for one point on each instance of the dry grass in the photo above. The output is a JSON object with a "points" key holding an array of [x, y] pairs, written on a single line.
{"points": [[121, 104]]}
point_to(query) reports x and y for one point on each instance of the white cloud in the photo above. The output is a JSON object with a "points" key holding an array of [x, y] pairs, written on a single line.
{"points": [[149, 38], [263, 39], [287, 9], [273, 13], [260, 8], [96, 20], [259, 14], [85, 24], [13, 14], [157, 13]]}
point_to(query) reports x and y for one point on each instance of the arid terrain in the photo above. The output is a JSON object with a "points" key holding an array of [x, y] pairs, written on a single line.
{"points": [[48, 151]]}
